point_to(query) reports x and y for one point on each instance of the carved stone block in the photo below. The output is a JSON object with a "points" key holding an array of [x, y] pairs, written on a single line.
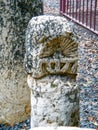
{"points": [[51, 59]]}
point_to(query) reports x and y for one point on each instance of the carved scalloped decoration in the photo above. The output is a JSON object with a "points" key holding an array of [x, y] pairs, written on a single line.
{"points": [[64, 44], [66, 49]]}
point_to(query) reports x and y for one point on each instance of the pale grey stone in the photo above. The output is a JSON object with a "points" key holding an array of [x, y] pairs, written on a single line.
{"points": [[51, 64]]}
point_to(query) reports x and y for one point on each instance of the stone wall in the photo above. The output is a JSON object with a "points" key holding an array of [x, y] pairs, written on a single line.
{"points": [[14, 93]]}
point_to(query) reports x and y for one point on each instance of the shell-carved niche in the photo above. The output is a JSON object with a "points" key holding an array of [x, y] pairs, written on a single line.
{"points": [[57, 56]]}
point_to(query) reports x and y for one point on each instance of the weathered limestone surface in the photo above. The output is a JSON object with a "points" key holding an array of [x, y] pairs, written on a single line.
{"points": [[14, 93], [51, 61], [54, 102]]}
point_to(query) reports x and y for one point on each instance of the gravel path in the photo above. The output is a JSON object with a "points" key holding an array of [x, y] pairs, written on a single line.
{"points": [[51, 7], [19, 126]]}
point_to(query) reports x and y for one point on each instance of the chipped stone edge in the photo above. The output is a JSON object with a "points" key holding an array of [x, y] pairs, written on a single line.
{"points": [[60, 128]]}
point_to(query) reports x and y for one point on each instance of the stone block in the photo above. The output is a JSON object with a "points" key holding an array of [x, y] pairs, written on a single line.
{"points": [[51, 63]]}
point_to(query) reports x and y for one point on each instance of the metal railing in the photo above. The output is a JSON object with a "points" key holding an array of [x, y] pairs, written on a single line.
{"points": [[83, 12]]}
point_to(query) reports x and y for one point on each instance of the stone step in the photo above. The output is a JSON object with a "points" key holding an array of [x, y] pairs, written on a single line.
{"points": [[60, 128]]}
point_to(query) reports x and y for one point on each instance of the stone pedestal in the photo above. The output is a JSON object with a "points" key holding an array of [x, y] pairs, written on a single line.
{"points": [[51, 62]]}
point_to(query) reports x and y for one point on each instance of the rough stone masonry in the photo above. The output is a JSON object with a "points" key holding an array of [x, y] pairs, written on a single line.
{"points": [[51, 63], [14, 93]]}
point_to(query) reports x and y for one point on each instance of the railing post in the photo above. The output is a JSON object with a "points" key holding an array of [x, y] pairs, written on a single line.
{"points": [[95, 10], [60, 6], [64, 5]]}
